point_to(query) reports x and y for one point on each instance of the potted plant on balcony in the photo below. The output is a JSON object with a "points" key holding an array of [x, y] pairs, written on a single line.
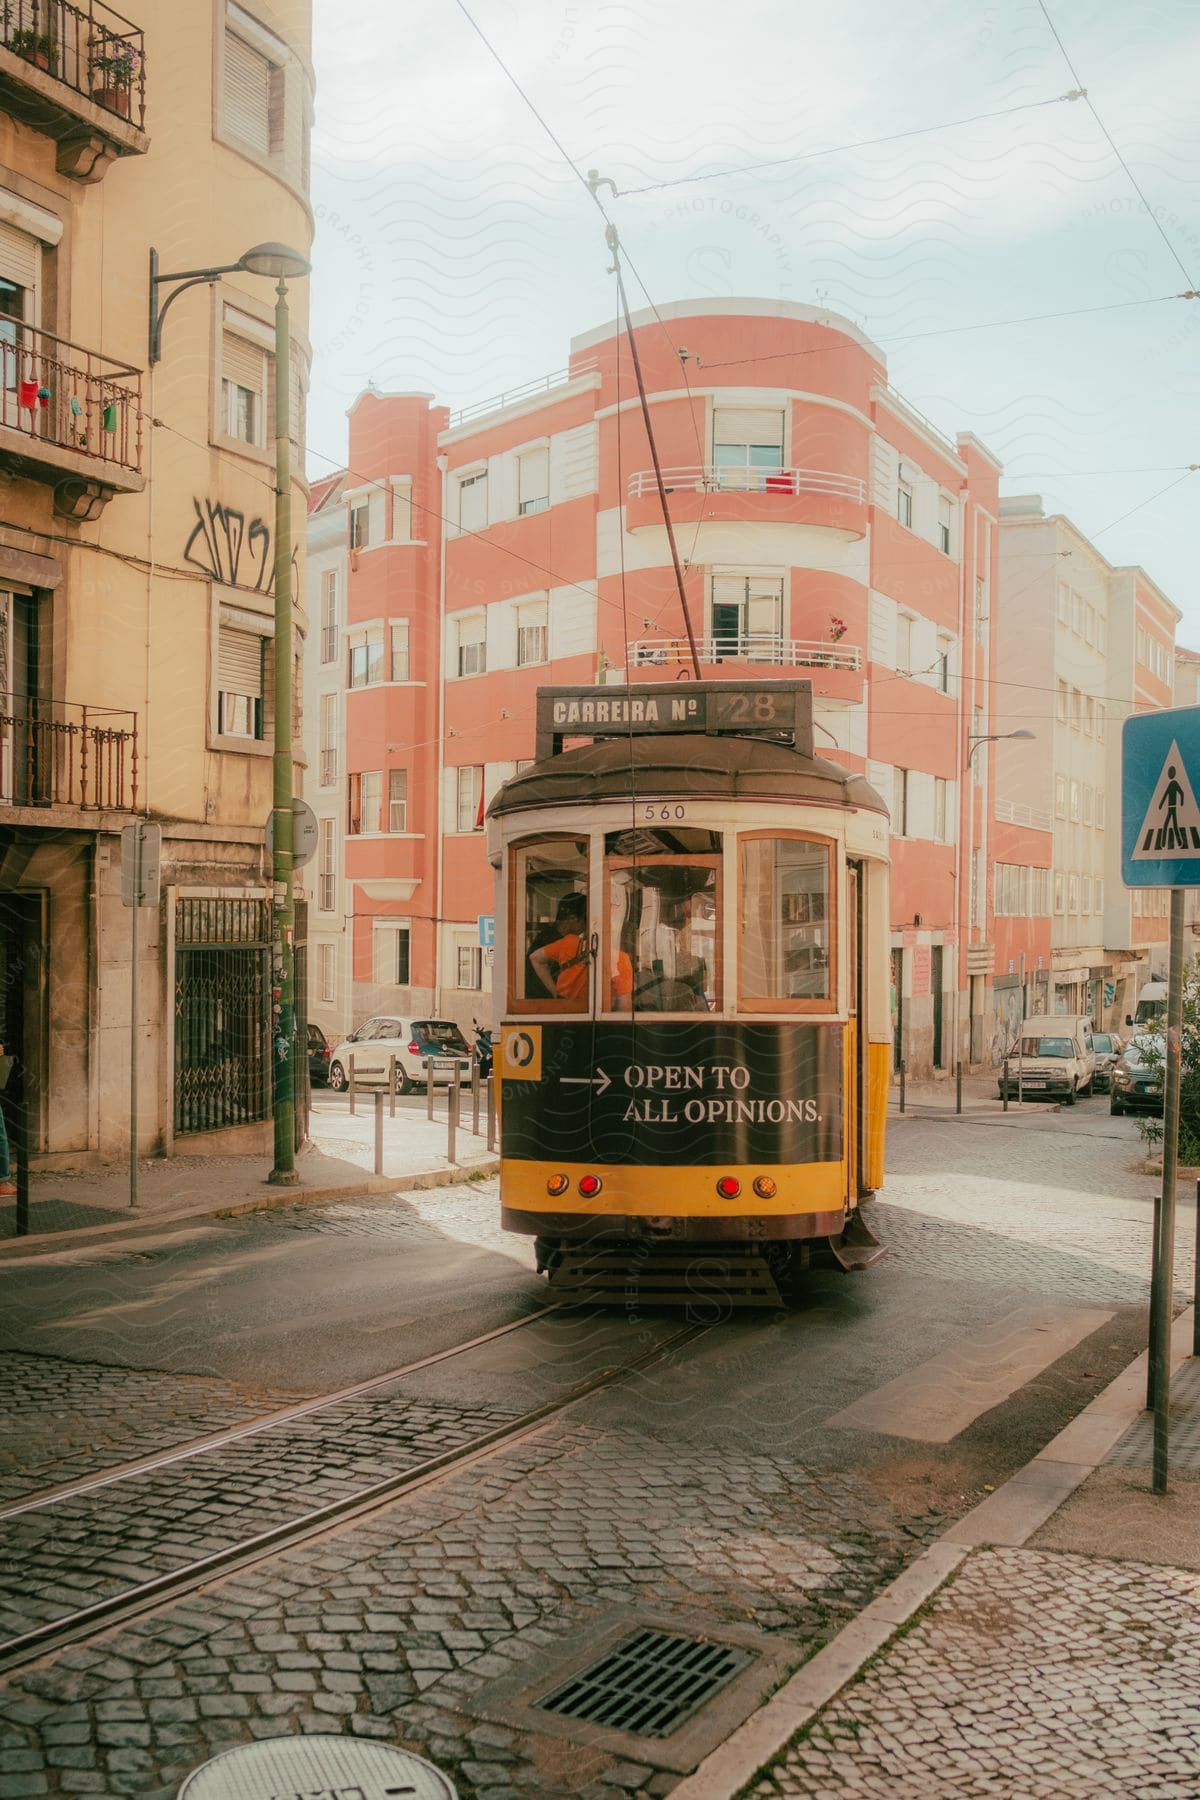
{"points": [[36, 47], [114, 66]]}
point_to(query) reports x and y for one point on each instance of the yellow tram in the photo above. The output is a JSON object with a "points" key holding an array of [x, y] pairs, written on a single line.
{"points": [[692, 970]]}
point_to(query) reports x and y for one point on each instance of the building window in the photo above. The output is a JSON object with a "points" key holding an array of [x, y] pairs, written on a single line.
{"points": [[329, 616], [1089, 624], [941, 795], [402, 505], [1088, 800], [1100, 720], [397, 799], [1063, 604], [393, 954], [1089, 715], [364, 653], [747, 617], [326, 867], [247, 380], [1060, 796], [472, 501], [360, 524], [400, 650], [1076, 613], [945, 523], [326, 976], [1076, 709], [1085, 898], [900, 803], [329, 735], [471, 657], [469, 970], [363, 809], [253, 110], [1060, 893], [1141, 645], [1099, 895], [980, 610], [904, 500], [531, 634], [1073, 809], [533, 481], [468, 798], [242, 658], [945, 648], [222, 1003], [1062, 703], [746, 440], [1072, 893], [1101, 634]]}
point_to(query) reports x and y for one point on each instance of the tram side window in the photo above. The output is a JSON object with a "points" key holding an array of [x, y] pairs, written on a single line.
{"points": [[550, 936], [787, 924], [664, 935]]}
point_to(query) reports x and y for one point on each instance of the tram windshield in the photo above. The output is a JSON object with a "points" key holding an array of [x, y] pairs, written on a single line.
{"points": [[787, 925], [664, 920], [550, 936]]}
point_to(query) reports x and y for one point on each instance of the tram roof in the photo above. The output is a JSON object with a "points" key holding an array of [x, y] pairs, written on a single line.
{"points": [[694, 767]]}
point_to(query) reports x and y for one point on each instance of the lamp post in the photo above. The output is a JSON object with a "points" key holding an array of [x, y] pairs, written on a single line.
{"points": [[279, 262], [973, 743]]}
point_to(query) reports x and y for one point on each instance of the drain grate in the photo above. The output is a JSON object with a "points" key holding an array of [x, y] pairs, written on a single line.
{"points": [[650, 1685]]}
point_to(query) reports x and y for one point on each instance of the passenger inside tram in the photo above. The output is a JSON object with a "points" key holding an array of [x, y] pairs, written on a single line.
{"points": [[561, 964], [664, 920]]}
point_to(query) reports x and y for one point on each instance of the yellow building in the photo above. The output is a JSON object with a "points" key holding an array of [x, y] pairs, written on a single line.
{"points": [[136, 554]]}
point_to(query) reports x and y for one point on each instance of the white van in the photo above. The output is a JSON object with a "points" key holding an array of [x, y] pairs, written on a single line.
{"points": [[1151, 1006], [1057, 1060]]}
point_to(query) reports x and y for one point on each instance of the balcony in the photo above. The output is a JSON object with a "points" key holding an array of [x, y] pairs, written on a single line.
{"points": [[78, 75], [67, 757], [70, 417], [776, 496], [759, 647]]}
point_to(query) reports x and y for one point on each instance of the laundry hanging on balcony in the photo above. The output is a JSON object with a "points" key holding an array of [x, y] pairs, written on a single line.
{"points": [[43, 395], [27, 393], [108, 418]]}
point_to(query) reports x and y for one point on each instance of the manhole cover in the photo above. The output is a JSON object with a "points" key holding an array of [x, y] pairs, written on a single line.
{"points": [[335, 1768], [650, 1685]]}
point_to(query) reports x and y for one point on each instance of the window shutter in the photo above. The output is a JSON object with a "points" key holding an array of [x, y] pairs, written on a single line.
{"points": [[18, 256], [728, 590], [534, 475], [240, 662], [747, 425], [247, 94], [242, 362]]}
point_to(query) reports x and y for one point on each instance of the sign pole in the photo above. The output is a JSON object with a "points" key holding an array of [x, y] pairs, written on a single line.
{"points": [[133, 1012], [1161, 1308]]}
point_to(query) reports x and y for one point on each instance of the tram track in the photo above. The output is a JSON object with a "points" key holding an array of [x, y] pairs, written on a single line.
{"points": [[134, 1602]]}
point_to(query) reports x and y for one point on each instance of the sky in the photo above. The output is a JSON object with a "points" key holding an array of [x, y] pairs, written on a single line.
{"points": [[457, 251]]}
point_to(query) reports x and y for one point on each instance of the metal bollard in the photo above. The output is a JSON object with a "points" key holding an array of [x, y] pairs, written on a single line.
{"points": [[903, 1072], [491, 1116], [392, 1084], [1004, 1084], [350, 1090], [475, 1098], [429, 1087], [452, 1116], [958, 1086], [379, 1133]]}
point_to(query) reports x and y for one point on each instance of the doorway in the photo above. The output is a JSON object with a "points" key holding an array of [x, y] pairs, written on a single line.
{"points": [[897, 1009], [935, 981]]}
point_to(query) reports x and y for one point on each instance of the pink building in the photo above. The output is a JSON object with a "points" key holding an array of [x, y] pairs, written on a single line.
{"points": [[825, 530]]}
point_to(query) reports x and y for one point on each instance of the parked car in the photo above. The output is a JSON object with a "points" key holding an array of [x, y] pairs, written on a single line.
{"points": [[318, 1056], [1107, 1046], [411, 1042], [1137, 1077], [1056, 1061]]}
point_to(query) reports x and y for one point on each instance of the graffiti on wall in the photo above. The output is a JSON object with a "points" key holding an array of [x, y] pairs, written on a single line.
{"points": [[235, 551]]}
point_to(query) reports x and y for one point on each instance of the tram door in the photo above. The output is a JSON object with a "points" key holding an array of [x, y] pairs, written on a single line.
{"points": [[858, 1099]]}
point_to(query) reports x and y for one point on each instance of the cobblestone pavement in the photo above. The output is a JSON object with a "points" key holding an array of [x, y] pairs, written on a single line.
{"points": [[396, 1628], [61, 1421], [89, 1546], [1031, 1675]]}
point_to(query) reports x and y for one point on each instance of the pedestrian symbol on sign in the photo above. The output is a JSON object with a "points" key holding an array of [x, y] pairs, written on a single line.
{"points": [[1172, 818]]}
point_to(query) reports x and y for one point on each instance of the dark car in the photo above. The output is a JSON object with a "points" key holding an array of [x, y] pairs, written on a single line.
{"points": [[1136, 1078], [1108, 1046], [318, 1056]]}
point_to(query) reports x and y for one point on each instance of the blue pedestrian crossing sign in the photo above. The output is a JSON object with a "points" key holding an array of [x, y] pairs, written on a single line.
{"points": [[1160, 817]]}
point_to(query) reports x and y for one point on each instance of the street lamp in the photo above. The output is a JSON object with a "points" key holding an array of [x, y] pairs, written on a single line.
{"points": [[281, 263], [994, 737]]}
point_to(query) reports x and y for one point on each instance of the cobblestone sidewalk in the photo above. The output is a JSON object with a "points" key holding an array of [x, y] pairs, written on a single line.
{"points": [[1031, 1675]]}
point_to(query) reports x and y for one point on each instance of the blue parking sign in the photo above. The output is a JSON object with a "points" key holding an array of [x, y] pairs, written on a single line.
{"points": [[487, 930], [1160, 817]]}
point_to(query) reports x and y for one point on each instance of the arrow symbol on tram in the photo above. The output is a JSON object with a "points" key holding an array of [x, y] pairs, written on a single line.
{"points": [[599, 1080]]}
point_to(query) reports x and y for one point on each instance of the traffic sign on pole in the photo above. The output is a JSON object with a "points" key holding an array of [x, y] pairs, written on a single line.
{"points": [[1160, 815]]}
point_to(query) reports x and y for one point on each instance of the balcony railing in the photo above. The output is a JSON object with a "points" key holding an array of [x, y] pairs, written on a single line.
{"points": [[329, 762], [61, 753], [742, 480], [529, 390], [90, 48], [757, 647], [58, 393]]}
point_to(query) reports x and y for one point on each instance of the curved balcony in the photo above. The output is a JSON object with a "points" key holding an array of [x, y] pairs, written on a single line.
{"points": [[820, 497], [835, 669]]}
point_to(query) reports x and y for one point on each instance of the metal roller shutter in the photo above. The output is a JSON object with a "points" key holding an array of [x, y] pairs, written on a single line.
{"points": [[747, 425], [247, 97], [243, 363], [239, 662], [18, 256]]}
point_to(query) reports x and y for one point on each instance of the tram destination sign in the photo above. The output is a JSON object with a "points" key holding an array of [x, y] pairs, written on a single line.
{"points": [[781, 710]]}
